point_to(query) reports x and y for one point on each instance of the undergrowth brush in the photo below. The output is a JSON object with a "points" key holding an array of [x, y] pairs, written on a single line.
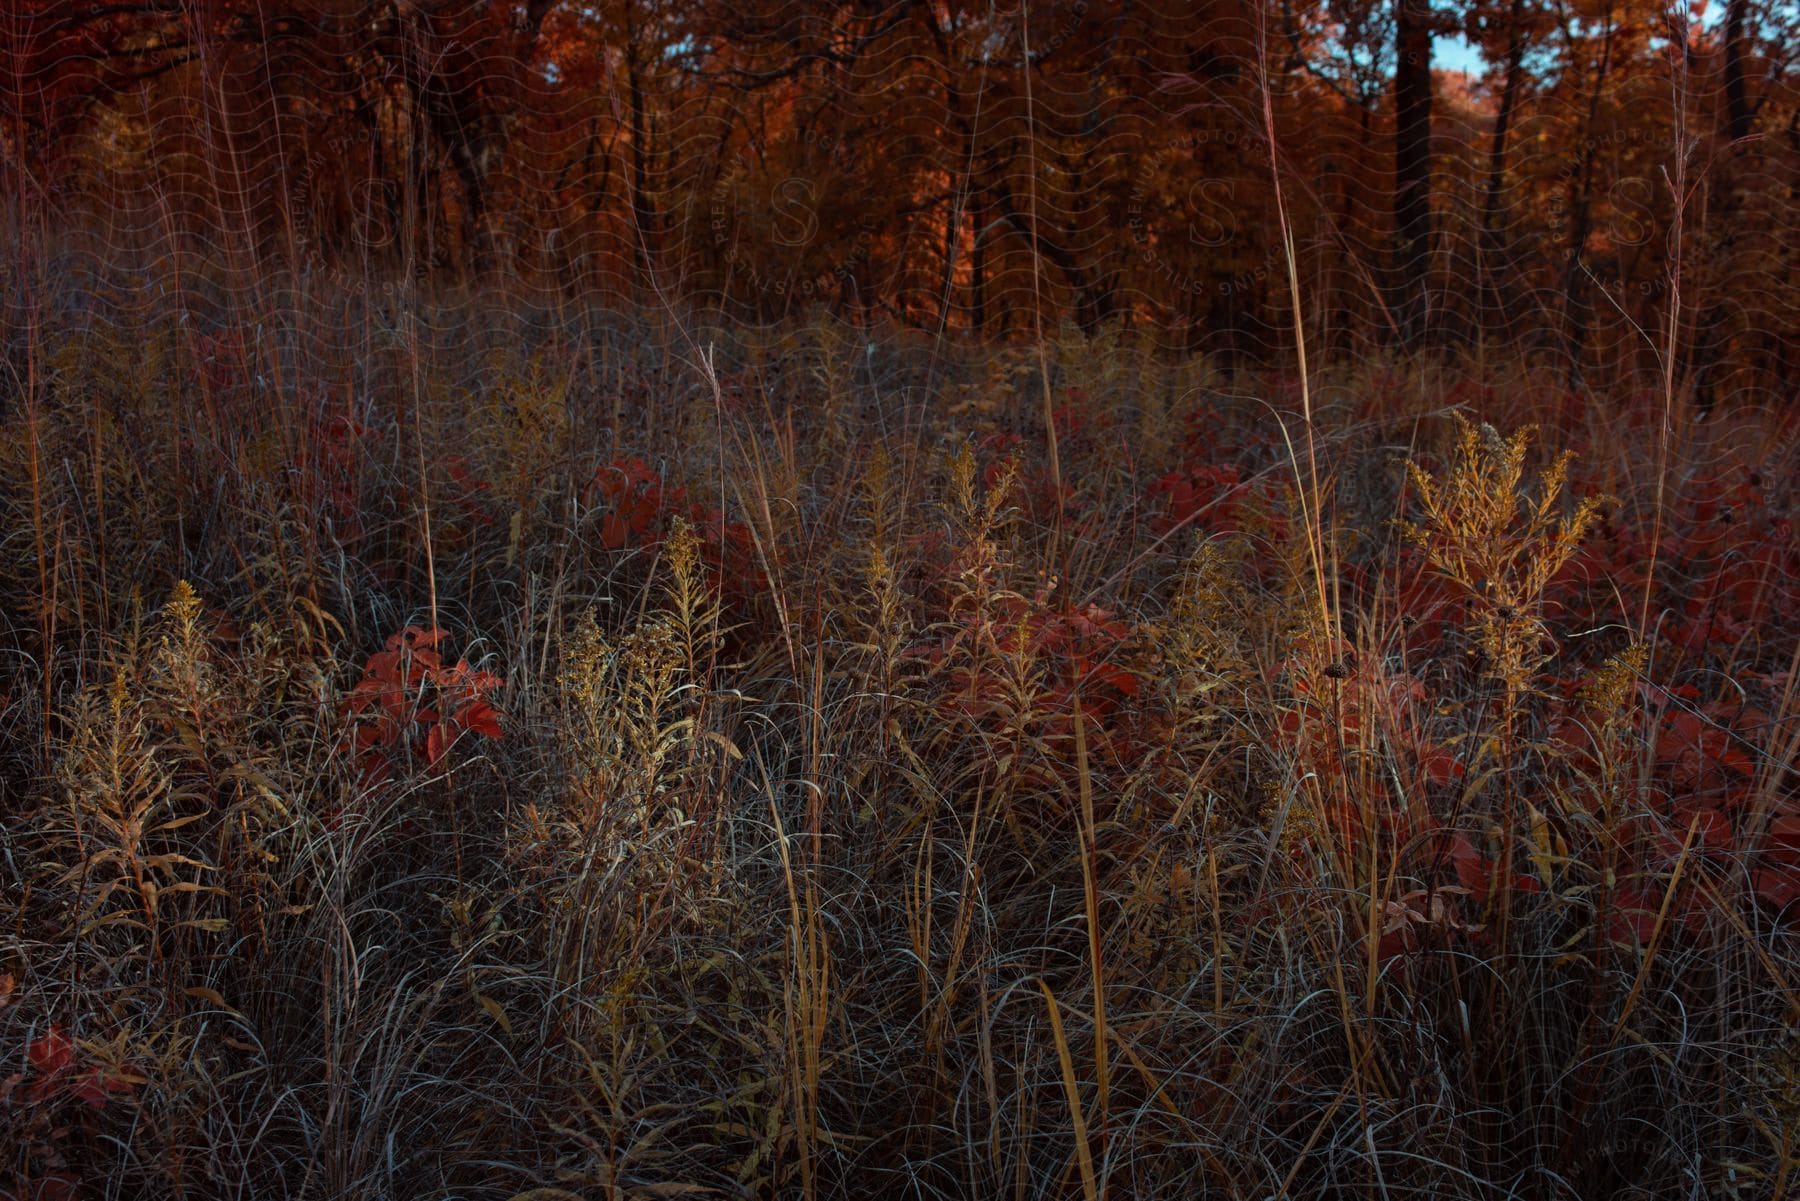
{"points": [[506, 757]]}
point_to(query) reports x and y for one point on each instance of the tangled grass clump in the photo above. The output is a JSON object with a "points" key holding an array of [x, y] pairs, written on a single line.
{"points": [[833, 800]]}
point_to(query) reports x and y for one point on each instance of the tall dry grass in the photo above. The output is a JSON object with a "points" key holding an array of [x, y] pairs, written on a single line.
{"points": [[879, 806]]}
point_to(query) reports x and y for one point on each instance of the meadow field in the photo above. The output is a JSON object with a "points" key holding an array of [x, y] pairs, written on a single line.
{"points": [[985, 600], [456, 748]]}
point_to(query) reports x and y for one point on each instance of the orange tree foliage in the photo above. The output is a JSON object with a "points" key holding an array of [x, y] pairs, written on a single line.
{"points": [[957, 165]]}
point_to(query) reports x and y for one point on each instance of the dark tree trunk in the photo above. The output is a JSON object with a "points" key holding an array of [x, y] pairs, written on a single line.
{"points": [[978, 267], [1095, 303], [1711, 333], [1738, 113], [1491, 243], [1412, 166], [1581, 216], [643, 213]]}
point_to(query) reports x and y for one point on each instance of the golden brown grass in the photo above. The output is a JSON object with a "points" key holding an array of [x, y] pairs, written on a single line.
{"points": [[881, 807]]}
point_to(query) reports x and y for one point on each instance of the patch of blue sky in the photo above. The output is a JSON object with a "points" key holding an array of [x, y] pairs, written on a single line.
{"points": [[1453, 52]]}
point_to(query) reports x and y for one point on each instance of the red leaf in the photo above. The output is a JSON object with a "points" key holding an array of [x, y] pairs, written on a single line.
{"points": [[375, 769], [51, 1051], [1775, 886], [1395, 942], [1472, 871], [613, 531], [1681, 731], [1633, 917], [1784, 841], [393, 703], [436, 743], [57, 1186], [480, 717], [1438, 765], [1714, 830], [96, 1085]]}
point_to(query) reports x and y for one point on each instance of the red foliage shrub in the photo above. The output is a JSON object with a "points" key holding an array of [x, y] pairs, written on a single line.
{"points": [[409, 703]]}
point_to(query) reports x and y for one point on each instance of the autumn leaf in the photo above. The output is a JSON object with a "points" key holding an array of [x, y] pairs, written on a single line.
{"points": [[96, 1086], [1633, 917], [51, 1052], [480, 717]]}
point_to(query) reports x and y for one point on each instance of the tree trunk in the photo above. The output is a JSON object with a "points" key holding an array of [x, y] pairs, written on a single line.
{"points": [[1412, 166], [643, 214], [978, 268], [1581, 214], [1491, 246], [1094, 304], [1711, 333], [1737, 96]]}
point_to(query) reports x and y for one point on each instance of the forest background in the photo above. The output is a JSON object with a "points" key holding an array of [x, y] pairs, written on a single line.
{"points": [[693, 598]]}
